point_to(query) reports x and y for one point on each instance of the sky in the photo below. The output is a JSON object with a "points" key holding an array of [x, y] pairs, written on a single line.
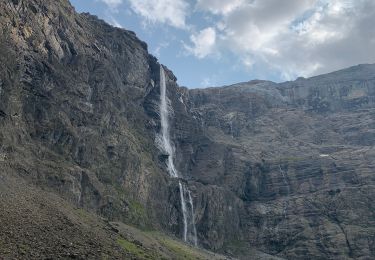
{"points": [[220, 42]]}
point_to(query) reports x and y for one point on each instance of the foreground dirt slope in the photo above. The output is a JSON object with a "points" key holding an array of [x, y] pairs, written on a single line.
{"points": [[37, 224]]}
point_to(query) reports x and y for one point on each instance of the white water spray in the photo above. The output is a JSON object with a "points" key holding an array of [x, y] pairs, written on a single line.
{"points": [[164, 142], [195, 239], [184, 210]]}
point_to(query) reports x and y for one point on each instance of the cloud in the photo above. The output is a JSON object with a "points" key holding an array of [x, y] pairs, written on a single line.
{"points": [[113, 21], [208, 81], [219, 6], [112, 3], [294, 37], [203, 43], [171, 12], [288, 38], [159, 47]]}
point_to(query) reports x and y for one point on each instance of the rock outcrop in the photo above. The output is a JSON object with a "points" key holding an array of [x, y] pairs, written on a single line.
{"points": [[285, 168]]}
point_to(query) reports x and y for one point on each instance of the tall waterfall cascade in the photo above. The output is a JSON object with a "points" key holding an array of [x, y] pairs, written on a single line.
{"points": [[164, 143]]}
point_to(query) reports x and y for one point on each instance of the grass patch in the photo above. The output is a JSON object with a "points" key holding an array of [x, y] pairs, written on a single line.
{"points": [[137, 215], [137, 210], [133, 249], [180, 250]]}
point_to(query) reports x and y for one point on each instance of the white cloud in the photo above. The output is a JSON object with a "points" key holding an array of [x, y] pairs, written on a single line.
{"points": [[113, 21], [113, 3], [256, 25], [290, 38], [171, 12], [208, 81], [294, 37], [159, 47], [218, 6], [203, 43]]}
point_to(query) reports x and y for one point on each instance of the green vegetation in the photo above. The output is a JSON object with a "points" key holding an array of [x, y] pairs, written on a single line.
{"points": [[137, 214], [180, 250], [137, 209], [133, 249]]}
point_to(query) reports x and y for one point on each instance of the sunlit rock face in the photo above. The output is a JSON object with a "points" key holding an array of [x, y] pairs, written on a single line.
{"points": [[287, 169]]}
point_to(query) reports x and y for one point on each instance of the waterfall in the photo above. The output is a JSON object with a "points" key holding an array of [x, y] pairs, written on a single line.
{"points": [[163, 140], [195, 239], [184, 211]]}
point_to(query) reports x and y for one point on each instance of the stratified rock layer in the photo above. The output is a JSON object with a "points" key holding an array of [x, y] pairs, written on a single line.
{"points": [[293, 162]]}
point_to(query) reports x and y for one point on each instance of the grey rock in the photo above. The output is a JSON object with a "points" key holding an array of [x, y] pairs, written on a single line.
{"points": [[285, 169]]}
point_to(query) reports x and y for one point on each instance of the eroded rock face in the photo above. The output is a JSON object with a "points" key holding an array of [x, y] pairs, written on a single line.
{"points": [[284, 168], [297, 158], [72, 117]]}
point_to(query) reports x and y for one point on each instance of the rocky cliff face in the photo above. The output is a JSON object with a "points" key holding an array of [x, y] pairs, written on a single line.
{"points": [[284, 168], [72, 91], [71, 88], [291, 163]]}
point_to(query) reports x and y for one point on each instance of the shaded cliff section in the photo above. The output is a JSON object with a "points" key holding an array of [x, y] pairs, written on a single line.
{"points": [[72, 117]]}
